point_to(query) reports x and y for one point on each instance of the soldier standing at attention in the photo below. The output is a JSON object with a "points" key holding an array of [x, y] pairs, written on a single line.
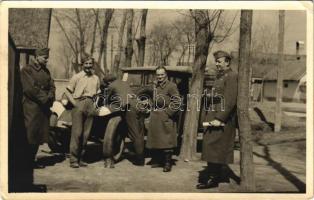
{"points": [[162, 131], [80, 91], [218, 139], [38, 96]]}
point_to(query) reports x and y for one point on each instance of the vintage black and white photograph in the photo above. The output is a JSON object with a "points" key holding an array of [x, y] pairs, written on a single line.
{"points": [[158, 100]]}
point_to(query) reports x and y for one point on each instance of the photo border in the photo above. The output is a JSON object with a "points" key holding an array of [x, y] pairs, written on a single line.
{"points": [[226, 5]]}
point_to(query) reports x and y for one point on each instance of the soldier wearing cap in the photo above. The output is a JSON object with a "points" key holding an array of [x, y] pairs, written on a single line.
{"points": [[38, 96], [218, 139], [80, 91]]}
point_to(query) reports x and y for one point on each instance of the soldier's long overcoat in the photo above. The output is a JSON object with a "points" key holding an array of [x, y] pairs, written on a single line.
{"points": [[162, 132], [218, 142], [38, 96]]}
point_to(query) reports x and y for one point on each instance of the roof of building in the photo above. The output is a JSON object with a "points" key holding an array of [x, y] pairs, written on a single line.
{"points": [[29, 27], [183, 69], [265, 66], [292, 70]]}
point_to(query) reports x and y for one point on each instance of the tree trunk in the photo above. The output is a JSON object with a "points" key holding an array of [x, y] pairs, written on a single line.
{"points": [[81, 32], [142, 39], [203, 39], [117, 57], [104, 36], [129, 39], [94, 32], [281, 38], [246, 149]]}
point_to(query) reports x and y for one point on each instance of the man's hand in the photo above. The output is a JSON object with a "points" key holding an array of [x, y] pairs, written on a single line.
{"points": [[216, 123], [103, 111]]}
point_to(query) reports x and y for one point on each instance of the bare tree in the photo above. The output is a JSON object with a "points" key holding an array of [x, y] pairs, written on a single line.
{"points": [[246, 162], [206, 32], [185, 33], [75, 25], [163, 42], [103, 41], [117, 57], [92, 49], [129, 38], [142, 39]]}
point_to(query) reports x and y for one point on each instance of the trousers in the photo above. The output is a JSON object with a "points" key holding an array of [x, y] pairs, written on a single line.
{"points": [[82, 121], [135, 124]]}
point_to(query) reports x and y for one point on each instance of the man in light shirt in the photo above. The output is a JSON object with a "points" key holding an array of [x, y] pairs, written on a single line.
{"points": [[80, 91]]}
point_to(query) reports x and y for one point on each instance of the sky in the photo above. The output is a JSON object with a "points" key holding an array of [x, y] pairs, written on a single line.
{"points": [[295, 30]]}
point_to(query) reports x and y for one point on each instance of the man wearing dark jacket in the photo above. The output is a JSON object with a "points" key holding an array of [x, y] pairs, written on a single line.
{"points": [[38, 96], [122, 99], [218, 139]]}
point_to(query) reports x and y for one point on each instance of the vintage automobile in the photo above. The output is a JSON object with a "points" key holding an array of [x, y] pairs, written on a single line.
{"points": [[104, 129], [111, 130]]}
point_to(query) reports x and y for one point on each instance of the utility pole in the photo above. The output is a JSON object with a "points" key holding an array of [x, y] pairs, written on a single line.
{"points": [[246, 147], [281, 35]]}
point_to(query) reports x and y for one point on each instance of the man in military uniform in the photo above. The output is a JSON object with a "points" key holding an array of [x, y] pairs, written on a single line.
{"points": [[122, 99], [162, 133], [38, 96], [80, 91], [218, 139]]}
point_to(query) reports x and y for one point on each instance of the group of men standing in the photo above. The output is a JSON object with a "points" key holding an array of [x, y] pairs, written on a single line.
{"points": [[39, 95]]}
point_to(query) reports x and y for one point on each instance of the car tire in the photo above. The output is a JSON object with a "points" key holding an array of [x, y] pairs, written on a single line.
{"points": [[53, 141], [113, 141]]}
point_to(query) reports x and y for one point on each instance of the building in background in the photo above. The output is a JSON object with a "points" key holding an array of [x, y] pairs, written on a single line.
{"points": [[28, 30]]}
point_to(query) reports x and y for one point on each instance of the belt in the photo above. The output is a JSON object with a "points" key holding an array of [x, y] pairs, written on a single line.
{"points": [[84, 97]]}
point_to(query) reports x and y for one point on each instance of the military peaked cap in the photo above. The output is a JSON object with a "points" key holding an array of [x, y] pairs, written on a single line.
{"points": [[109, 78], [219, 54], [42, 52]]}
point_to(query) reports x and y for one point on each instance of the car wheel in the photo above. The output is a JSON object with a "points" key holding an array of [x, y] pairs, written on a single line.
{"points": [[53, 141], [113, 143]]}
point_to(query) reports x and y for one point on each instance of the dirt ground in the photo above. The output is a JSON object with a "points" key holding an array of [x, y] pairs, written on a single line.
{"points": [[279, 167], [279, 161]]}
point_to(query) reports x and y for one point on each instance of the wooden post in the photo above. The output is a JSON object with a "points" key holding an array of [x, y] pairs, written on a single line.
{"points": [[281, 35], [246, 149]]}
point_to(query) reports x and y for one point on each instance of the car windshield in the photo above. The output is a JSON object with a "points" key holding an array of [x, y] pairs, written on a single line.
{"points": [[134, 79]]}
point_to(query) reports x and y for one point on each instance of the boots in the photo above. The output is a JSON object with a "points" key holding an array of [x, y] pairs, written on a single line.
{"points": [[168, 162], [109, 163], [139, 160]]}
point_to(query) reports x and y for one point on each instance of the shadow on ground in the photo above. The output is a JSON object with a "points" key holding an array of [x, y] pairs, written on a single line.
{"points": [[300, 185]]}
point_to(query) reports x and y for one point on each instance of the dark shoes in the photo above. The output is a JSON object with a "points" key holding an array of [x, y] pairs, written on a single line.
{"points": [[74, 165], [168, 162], [36, 188], [167, 167], [109, 163], [212, 183], [38, 166], [79, 164], [156, 165], [139, 161], [83, 164]]}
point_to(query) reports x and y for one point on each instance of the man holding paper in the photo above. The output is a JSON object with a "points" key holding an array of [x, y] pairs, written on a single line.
{"points": [[220, 123]]}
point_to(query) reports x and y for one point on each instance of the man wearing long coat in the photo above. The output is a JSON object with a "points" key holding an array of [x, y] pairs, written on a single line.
{"points": [[162, 132], [218, 139], [38, 96]]}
